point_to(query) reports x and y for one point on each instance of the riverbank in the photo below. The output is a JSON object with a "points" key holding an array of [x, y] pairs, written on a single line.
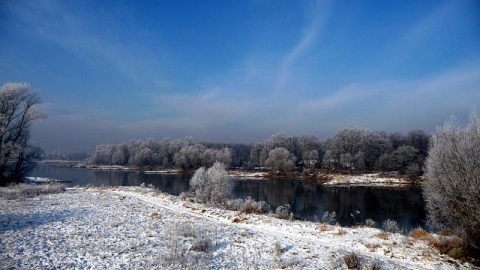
{"points": [[132, 227], [324, 177]]}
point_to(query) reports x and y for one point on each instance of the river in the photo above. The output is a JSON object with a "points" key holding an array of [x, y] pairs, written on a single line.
{"points": [[308, 200]]}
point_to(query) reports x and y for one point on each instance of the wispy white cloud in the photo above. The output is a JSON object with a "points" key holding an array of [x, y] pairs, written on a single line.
{"points": [[433, 22], [81, 33], [316, 15], [399, 105]]}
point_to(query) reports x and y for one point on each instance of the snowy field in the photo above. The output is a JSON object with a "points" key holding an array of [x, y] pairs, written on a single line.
{"points": [[138, 228], [373, 179]]}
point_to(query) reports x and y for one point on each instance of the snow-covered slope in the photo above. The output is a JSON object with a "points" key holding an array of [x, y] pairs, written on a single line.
{"points": [[139, 228]]}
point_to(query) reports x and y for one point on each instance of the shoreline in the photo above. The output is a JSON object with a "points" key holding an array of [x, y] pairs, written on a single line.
{"points": [[322, 177]]}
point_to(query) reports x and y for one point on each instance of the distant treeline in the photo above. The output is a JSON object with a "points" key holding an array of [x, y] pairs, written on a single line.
{"points": [[353, 149]]}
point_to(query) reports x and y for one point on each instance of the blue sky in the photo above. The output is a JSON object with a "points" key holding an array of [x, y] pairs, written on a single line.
{"points": [[239, 71]]}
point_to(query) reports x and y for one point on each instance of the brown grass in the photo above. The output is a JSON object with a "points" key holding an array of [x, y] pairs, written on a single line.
{"points": [[155, 215], [372, 247], [450, 245], [382, 235], [323, 227], [445, 242], [352, 260], [419, 233]]}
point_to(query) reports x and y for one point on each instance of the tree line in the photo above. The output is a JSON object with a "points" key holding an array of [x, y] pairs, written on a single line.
{"points": [[352, 149]]}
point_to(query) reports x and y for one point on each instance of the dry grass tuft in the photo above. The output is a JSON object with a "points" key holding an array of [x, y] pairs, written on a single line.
{"points": [[450, 245], [419, 233], [323, 227], [372, 247], [237, 220], [155, 215], [352, 260], [382, 235]]}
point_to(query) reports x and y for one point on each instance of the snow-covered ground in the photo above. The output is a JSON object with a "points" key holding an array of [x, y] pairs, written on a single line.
{"points": [[44, 180], [138, 228], [248, 174], [373, 179]]}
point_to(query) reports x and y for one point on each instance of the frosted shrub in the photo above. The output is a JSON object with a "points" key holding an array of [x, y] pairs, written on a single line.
{"points": [[248, 206], [278, 249], [295, 262], [185, 230], [391, 226], [252, 206], [283, 212], [212, 185], [329, 218], [234, 204], [187, 247], [370, 223], [452, 180], [352, 260], [202, 244]]}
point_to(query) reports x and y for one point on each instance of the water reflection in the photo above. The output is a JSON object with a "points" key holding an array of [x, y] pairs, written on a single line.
{"points": [[307, 199], [406, 205]]}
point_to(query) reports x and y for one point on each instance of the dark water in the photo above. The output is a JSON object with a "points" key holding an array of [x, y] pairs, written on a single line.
{"points": [[405, 205]]}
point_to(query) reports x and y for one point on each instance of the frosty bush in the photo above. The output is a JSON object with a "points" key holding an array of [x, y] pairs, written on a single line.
{"points": [[202, 244], [278, 249], [329, 218], [452, 186], [352, 260], [187, 247], [391, 226], [283, 212], [212, 185], [370, 223], [248, 206], [185, 230]]}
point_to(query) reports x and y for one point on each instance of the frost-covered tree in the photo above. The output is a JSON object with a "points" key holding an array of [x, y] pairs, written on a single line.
{"points": [[280, 159], [255, 154], [143, 157], [209, 157], [310, 158], [404, 159], [103, 154], [224, 156], [397, 139], [374, 144], [240, 154], [346, 148], [419, 140], [17, 113], [452, 186], [212, 185], [189, 156], [119, 157], [277, 140]]}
